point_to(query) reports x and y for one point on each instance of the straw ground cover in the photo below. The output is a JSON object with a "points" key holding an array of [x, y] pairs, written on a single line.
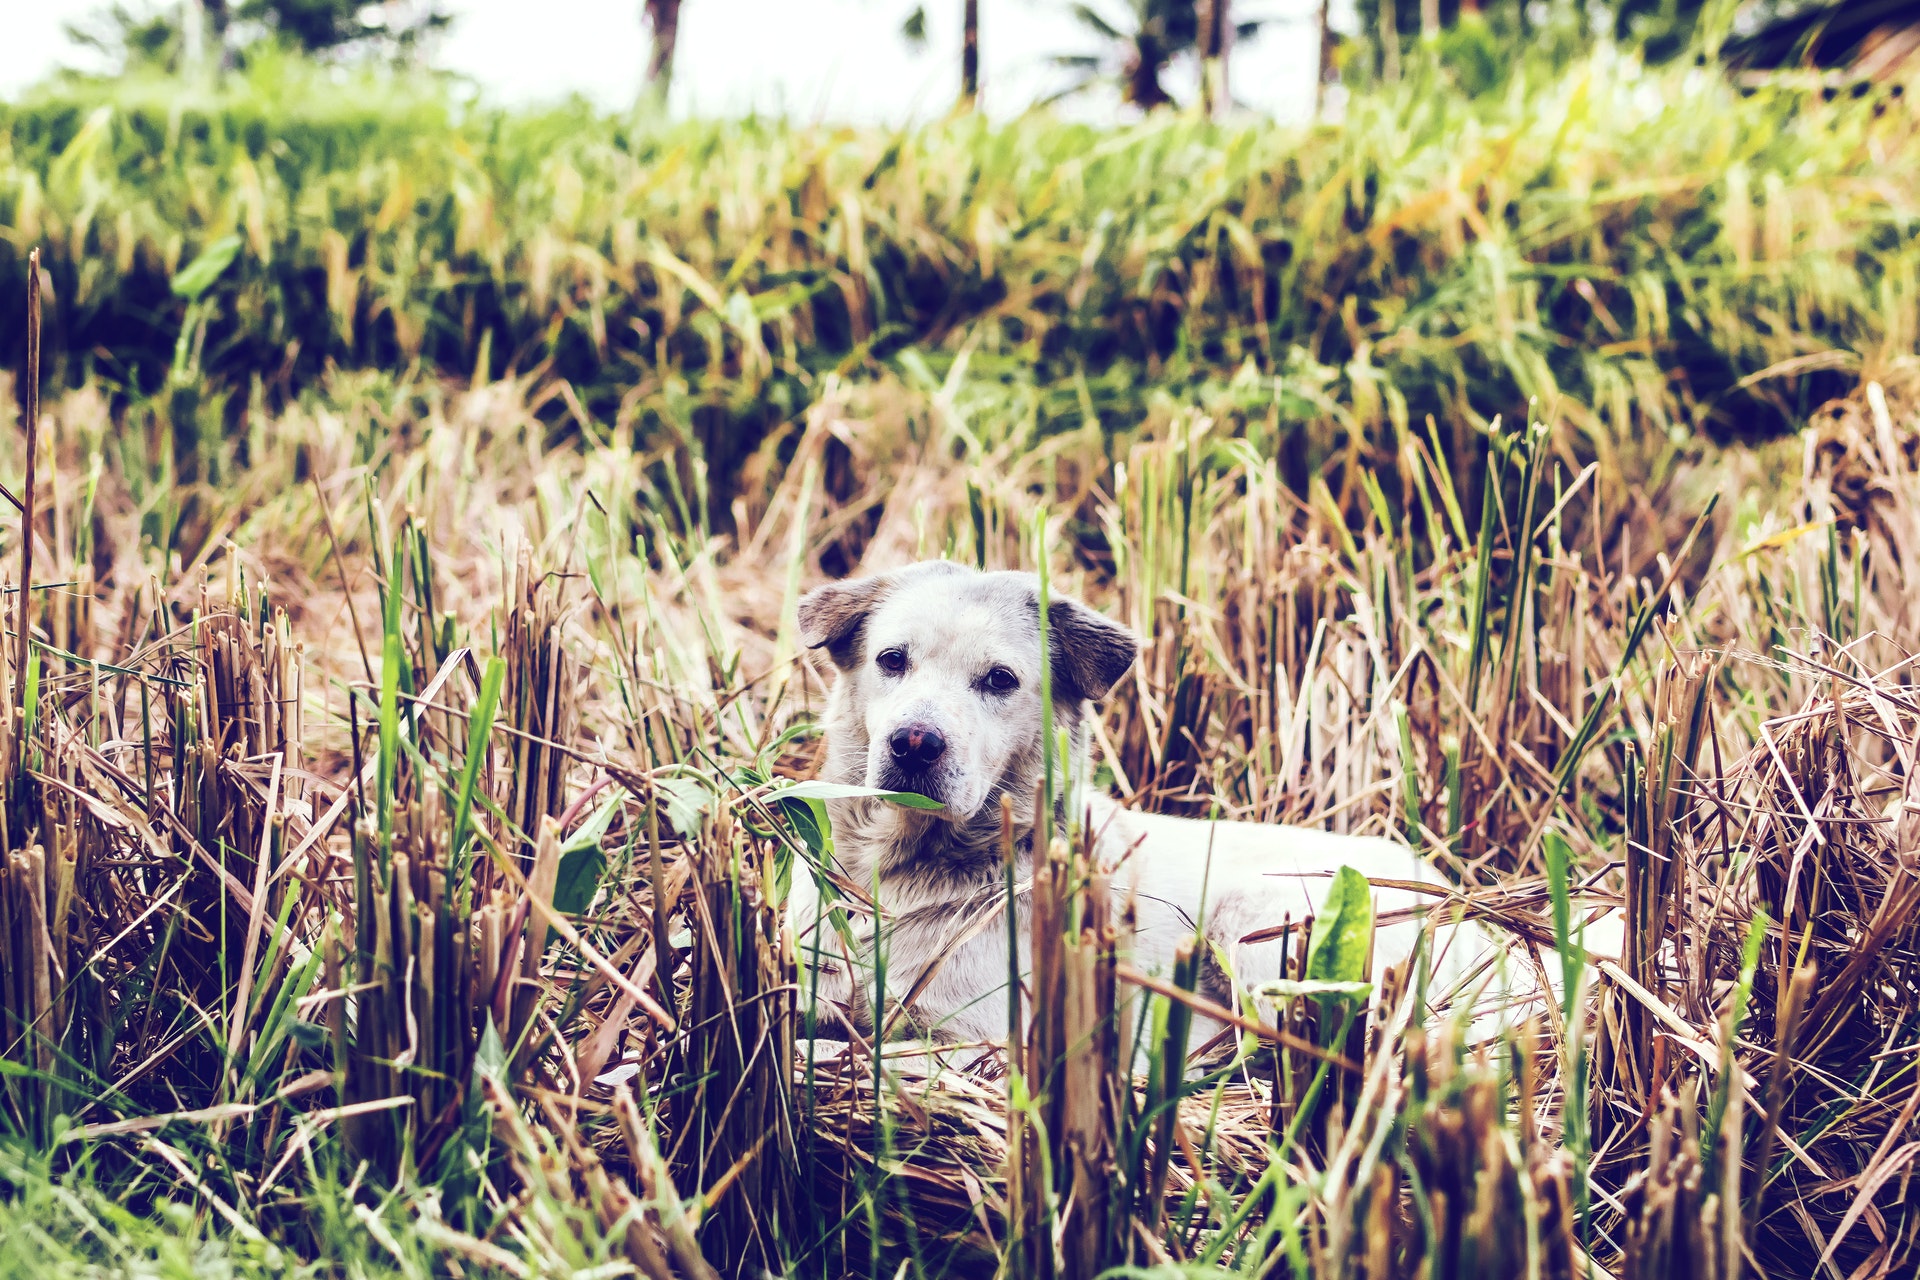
{"points": [[393, 871]]}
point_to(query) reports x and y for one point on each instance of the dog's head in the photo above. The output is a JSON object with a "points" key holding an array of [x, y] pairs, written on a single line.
{"points": [[940, 675]]}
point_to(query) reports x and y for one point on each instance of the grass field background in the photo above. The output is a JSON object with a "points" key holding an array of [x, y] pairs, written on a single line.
{"points": [[398, 783]]}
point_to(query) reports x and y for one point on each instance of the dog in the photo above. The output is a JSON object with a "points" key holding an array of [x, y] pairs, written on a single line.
{"points": [[937, 693]]}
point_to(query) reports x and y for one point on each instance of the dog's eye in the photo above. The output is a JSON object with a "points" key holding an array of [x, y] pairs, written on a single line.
{"points": [[891, 661], [1001, 680]]}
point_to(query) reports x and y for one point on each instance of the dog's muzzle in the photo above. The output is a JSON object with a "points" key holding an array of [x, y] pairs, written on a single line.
{"points": [[911, 760], [916, 747]]}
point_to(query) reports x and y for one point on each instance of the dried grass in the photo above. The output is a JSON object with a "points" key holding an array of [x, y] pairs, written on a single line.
{"points": [[290, 924]]}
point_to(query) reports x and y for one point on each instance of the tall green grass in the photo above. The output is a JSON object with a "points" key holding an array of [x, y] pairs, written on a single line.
{"points": [[1646, 254]]}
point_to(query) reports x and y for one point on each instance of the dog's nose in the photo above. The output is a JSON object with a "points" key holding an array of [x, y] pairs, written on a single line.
{"points": [[916, 745]]}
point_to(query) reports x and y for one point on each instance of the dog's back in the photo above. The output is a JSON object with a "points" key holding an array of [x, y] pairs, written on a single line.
{"points": [[1239, 885], [1241, 880]]}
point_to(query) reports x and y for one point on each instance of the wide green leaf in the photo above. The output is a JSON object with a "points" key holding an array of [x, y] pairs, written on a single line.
{"points": [[1342, 937], [198, 276], [817, 790], [687, 801], [1339, 949], [582, 862], [810, 823]]}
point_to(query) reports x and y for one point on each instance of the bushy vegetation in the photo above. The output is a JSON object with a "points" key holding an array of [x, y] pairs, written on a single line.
{"points": [[403, 748], [1645, 254]]}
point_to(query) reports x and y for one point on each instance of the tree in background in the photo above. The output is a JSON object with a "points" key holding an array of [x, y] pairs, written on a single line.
{"points": [[663, 28], [970, 54], [1663, 28], [322, 26], [1146, 34], [1143, 37], [134, 38], [914, 31], [1215, 39], [190, 33]]}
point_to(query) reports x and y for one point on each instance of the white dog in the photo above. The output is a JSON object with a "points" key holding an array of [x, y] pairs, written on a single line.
{"points": [[938, 693]]}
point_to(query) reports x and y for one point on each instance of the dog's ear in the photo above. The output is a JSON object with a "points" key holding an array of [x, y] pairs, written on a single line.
{"points": [[831, 617], [1090, 650]]}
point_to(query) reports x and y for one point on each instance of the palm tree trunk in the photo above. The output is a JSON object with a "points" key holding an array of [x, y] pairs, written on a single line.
{"points": [[1216, 33], [970, 56], [1321, 62], [1142, 74], [663, 20]]}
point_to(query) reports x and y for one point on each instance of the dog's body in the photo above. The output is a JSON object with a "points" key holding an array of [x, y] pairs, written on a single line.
{"points": [[1181, 876], [938, 694]]}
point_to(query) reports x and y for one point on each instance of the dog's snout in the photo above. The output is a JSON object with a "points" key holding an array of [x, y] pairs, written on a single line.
{"points": [[916, 745]]}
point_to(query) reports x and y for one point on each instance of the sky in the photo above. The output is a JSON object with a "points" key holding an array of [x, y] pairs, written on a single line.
{"points": [[836, 60]]}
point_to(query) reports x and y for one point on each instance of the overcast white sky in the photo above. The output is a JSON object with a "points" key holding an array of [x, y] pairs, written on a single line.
{"points": [[811, 59]]}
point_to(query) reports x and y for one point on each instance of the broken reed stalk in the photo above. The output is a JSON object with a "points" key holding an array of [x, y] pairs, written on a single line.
{"points": [[1075, 1198], [1482, 1205], [30, 426], [542, 694], [36, 885], [1169, 1026], [731, 1109]]}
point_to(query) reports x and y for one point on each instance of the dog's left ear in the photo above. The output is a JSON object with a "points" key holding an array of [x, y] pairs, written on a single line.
{"points": [[832, 617], [1090, 650]]}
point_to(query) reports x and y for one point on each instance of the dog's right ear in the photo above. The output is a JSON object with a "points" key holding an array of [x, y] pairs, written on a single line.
{"points": [[832, 617]]}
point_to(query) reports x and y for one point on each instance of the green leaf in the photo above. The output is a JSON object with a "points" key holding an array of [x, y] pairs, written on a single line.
{"points": [[810, 823], [1711, 1137], [1573, 956], [1286, 990], [30, 703], [687, 802], [817, 790], [265, 1056], [390, 659], [198, 276], [582, 862], [1338, 950], [587, 834], [1342, 937], [576, 879], [309, 1035], [490, 1058], [479, 728]]}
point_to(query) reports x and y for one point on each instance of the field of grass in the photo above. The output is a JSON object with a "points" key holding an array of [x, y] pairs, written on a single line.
{"points": [[397, 762], [1643, 252]]}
